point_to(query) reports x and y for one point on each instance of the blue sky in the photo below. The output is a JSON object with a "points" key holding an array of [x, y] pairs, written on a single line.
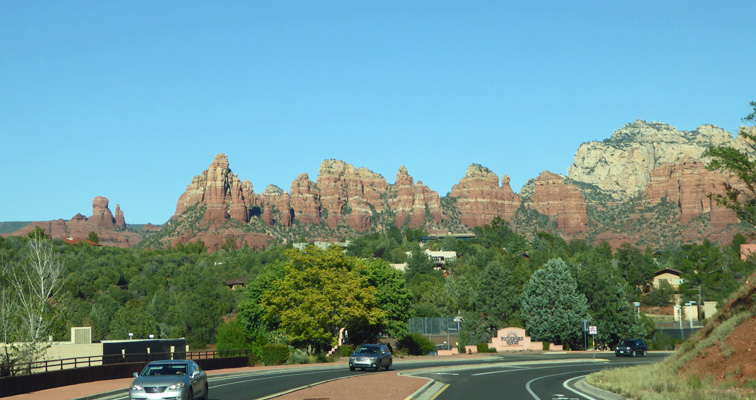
{"points": [[131, 99]]}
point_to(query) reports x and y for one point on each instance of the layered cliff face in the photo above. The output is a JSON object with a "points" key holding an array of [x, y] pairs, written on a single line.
{"points": [[412, 203], [646, 185], [480, 199], [687, 184], [343, 196], [623, 164], [561, 201]]}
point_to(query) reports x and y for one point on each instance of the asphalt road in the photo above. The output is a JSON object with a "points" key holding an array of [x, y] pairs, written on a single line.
{"points": [[528, 377], [515, 376]]}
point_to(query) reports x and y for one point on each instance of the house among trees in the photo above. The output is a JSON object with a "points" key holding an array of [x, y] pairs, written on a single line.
{"points": [[671, 276]]}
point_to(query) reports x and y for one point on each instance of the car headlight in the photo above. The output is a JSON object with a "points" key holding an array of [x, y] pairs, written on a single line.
{"points": [[136, 387], [176, 386]]}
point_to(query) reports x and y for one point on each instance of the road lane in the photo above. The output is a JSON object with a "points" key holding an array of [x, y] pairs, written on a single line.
{"points": [[538, 380]]}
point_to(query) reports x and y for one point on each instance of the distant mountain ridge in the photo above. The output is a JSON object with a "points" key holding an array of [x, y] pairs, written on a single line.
{"points": [[646, 185]]}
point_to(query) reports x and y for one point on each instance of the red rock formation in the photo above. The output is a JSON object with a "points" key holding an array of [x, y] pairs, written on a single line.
{"points": [[346, 190], [267, 215], [120, 221], [101, 215], [150, 228], [687, 185], [305, 200], [555, 198], [480, 198], [79, 217], [410, 202], [221, 191], [79, 227]]}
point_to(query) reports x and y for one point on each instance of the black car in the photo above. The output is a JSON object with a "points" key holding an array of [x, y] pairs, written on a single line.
{"points": [[375, 356], [632, 348]]}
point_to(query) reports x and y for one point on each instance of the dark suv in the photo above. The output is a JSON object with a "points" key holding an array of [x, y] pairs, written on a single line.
{"points": [[632, 348]]}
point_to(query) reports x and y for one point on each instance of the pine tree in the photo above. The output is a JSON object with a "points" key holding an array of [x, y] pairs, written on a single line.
{"points": [[552, 307]]}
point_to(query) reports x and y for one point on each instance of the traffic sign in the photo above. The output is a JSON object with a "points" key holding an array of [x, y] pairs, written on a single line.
{"points": [[592, 330]]}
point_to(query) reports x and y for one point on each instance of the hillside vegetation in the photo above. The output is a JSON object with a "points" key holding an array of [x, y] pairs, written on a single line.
{"points": [[717, 363]]}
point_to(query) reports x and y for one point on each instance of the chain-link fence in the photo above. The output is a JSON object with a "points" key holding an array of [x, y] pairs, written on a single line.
{"points": [[442, 331]]}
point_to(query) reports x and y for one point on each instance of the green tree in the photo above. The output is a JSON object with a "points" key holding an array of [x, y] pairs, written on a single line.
{"points": [[231, 335], [133, 318], [93, 237], [497, 299], [636, 266], [552, 307], [229, 244], [392, 296], [739, 196], [322, 292], [38, 233]]}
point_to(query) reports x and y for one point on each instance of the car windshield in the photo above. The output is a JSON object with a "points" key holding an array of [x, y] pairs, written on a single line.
{"points": [[628, 343], [367, 350], [166, 369]]}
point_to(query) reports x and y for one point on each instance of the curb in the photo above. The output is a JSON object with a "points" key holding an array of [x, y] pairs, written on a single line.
{"points": [[428, 391], [596, 392]]}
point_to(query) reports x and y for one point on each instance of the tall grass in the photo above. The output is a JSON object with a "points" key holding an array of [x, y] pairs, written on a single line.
{"points": [[661, 381]]}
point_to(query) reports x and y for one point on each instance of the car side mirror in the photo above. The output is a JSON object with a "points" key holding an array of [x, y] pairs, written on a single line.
{"points": [[136, 374], [194, 374]]}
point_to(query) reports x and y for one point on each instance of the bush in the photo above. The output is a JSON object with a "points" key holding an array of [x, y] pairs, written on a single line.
{"points": [[346, 350], [298, 356], [274, 354], [416, 344], [254, 359], [546, 346], [483, 348]]}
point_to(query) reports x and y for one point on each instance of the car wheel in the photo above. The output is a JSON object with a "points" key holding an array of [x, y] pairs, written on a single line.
{"points": [[351, 368], [191, 395], [632, 354], [378, 367], [645, 352], [207, 393], [388, 367]]}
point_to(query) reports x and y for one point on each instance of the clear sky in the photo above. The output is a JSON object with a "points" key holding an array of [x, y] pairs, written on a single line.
{"points": [[131, 99]]}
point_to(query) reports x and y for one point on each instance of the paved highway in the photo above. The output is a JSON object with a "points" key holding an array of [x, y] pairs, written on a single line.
{"points": [[541, 377], [503, 376]]}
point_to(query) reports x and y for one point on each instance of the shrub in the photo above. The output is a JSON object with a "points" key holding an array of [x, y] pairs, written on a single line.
{"points": [[274, 354], [298, 356], [321, 358], [483, 348], [254, 359], [546, 346], [416, 344], [346, 350]]}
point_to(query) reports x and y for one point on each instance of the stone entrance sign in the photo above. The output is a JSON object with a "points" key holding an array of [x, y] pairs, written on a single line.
{"points": [[513, 339]]}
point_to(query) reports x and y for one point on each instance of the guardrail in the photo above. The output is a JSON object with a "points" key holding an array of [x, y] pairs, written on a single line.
{"points": [[93, 361]]}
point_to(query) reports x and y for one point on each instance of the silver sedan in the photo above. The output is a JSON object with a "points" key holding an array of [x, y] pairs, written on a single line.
{"points": [[170, 379]]}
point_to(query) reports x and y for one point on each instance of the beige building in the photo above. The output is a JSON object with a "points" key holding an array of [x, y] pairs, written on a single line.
{"points": [[671, 276]]}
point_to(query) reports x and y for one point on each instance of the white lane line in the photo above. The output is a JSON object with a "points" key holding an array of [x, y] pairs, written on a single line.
{"points": [[566, 386], [532, 393]]}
